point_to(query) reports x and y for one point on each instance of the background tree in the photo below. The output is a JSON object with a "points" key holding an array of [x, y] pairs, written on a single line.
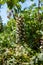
{"points": [[20, 33], [1, 25], [26, 53]]}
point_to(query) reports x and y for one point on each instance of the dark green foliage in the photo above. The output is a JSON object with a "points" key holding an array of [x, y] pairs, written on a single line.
{"points": [[33, 34], [14, 3], [1, 24], [1, 27]]}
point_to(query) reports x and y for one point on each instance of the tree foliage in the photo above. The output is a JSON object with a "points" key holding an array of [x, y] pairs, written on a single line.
{"points": [[29, 25]]}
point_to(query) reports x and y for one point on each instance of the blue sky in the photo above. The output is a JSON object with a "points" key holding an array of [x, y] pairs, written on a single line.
{"points": [[4, 9]]}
